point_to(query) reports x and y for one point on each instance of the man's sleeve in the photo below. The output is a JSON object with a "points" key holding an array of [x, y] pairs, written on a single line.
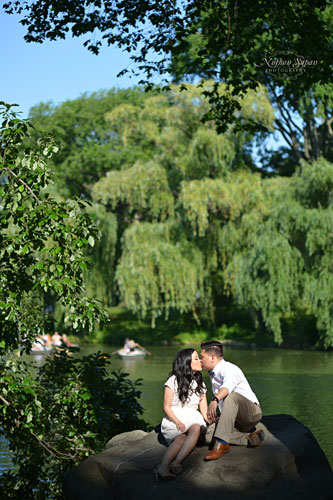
{"points": [[229, 382]]}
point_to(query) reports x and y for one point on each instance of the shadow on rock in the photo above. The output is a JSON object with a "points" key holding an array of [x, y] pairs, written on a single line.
{"points": [[289, 465]]}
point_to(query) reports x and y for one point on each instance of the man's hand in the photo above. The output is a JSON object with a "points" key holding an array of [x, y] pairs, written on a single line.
{"points": [[211, 412]]}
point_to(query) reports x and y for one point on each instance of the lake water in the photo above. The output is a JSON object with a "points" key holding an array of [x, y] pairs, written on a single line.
{"points": [[292, 382]]}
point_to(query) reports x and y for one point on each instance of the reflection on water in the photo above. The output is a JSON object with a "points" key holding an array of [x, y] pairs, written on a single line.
{"points": [[5, 461], [298, 383]]}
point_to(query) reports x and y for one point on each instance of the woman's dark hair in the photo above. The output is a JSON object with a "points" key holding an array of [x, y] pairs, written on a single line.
{"points": [[181, 368]]}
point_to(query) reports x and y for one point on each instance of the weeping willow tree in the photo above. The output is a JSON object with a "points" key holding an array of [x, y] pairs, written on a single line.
{"points": [[278, 256], [187, 219], [143, 189], [198, 221], [165, 204], [158, 272], [99, 276]]}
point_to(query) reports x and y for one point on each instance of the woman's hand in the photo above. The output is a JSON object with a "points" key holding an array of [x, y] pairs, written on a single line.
{"points": [[180, 426]]}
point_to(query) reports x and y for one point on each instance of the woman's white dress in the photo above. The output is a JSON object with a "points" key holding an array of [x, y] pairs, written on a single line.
{"points": [[188, 413]]}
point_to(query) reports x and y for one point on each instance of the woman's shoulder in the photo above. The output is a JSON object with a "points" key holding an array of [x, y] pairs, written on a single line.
{"points": [[171, 382]]}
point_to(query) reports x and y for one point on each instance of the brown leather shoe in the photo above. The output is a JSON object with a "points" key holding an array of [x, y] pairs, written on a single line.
{"points": [[217, 452], [256, 438]]}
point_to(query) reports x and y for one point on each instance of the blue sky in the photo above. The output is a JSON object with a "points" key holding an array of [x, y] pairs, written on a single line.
{"points": [[58, 71], [54, 71]]}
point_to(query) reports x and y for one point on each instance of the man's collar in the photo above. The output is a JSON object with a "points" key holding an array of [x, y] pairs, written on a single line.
{"points": [[220, 364]]}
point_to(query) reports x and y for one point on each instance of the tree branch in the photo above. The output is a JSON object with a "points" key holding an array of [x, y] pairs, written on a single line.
{"points": [[4, 400], [52, 450], [22, 182], [284, 124]]}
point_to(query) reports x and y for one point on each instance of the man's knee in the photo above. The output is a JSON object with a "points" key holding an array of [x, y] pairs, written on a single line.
{"points": [[230, 401], [232, 397]]}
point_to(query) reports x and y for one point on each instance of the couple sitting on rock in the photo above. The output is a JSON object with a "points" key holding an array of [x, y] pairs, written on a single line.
{"points": [[185, 391]]}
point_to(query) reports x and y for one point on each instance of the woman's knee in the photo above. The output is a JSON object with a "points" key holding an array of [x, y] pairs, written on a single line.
{"points": [[180, 438], [195, 429]]}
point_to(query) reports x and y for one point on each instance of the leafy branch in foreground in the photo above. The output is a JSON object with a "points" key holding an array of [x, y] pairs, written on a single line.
{"points": [[225, 40], [66, 411], [42, 241]]}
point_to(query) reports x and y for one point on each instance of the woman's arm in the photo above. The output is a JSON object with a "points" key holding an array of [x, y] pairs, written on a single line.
{"points": [[168, 395], [203, 407]]}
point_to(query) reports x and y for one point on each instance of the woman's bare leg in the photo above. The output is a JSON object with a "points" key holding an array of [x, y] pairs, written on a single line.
{"points": [[173, 450], [188, 443]]}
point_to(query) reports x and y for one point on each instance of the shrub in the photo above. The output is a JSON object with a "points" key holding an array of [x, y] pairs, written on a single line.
{"points": [[59, 415]]}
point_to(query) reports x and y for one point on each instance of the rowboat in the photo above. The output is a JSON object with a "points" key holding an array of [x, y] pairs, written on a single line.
{"points": [[43, 349], [72, 347], [134, 354]]}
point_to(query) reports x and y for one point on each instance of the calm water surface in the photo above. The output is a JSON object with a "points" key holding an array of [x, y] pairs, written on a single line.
{"points": [[298, 383]]}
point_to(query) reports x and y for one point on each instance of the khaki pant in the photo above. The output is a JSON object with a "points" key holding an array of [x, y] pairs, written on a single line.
{"points": [[238, 416]]}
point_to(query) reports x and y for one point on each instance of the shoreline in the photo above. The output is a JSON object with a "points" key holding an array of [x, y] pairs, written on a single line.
{"points": [[235, 344]]}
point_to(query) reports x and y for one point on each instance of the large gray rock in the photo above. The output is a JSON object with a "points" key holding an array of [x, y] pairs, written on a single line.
{"points": [[288, 465]]}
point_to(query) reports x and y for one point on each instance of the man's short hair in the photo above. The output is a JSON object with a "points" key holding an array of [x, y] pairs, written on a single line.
{"points": [[213, 347]]}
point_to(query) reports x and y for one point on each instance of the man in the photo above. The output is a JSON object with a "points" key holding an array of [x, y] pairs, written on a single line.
{"points": [[239, 406]]}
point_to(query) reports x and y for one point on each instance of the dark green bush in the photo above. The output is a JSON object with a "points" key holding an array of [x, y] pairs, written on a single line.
{"points": [[59, 415]]}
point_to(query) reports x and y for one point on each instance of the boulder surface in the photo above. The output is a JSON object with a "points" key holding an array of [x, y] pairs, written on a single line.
{"points": [[289, 465]]}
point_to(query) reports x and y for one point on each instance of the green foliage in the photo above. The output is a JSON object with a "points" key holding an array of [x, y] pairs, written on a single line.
{"points": [[88, 146], [216, 39], [243, 47], [278, 256], [112, 130], [168, 132], [234, 331], [193, 337], [99, 276], [240, 47], [155, 273], [143, 187], [184, 220], [314, 186], [58, 416], [67, 411], [227, 200], [42, 241], [266, 278]]}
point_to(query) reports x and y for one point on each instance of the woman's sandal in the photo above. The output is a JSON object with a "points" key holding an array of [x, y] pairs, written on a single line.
{"points": [[176, 469], [162, 473]]}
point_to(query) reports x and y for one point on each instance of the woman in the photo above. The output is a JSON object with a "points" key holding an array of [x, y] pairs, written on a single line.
{"points": [[184, 391]]}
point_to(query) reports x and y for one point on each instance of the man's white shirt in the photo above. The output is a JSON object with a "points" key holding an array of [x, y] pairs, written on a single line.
{"points": [[228, 375]]}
